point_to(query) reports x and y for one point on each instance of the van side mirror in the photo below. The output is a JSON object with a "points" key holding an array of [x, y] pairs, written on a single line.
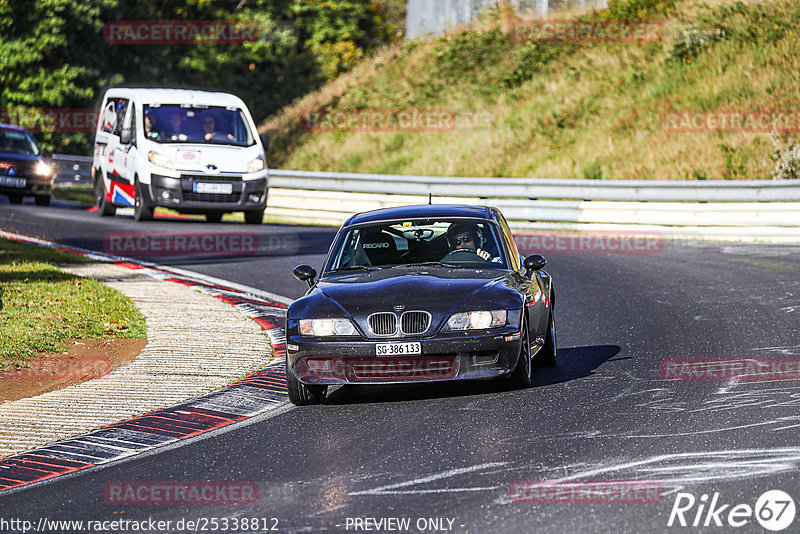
{"points": [[305, 273], [47, 154], [265, 141], [125, 136], [534, 262]]}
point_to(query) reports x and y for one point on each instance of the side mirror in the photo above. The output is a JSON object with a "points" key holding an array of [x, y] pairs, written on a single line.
{"points": [[47, 154], [265, 141], [125, 136], [305, 273], [534, 262]]}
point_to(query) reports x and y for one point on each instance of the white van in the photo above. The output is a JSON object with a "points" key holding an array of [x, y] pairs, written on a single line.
{"points": [[191, 151]]}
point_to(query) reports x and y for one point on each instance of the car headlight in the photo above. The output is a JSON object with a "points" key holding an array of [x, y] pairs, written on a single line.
{"points": [[42, 169], [477, 320], [255, 165], [327, 327], [160, 160]]}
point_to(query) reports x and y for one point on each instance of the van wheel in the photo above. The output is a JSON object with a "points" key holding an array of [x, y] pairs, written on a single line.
{"points": [[213, 217], [254, 216], [142, 211], [42, 200], [15, 199], [104, 208]]}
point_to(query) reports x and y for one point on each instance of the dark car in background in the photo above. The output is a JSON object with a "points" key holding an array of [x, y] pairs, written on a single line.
{"points": [[24, 168], [420, 294]]}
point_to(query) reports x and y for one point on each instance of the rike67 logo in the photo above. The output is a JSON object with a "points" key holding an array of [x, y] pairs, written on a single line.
{"points": [[774, 510]]}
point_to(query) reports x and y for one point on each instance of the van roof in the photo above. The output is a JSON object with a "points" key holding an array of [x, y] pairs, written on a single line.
{"points": [[176, 96]]}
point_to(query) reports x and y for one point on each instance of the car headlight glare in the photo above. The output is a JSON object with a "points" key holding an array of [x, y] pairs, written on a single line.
{"points": [[477, 320], [255, 165], [327, 327], [160, 160], [42, 169]]}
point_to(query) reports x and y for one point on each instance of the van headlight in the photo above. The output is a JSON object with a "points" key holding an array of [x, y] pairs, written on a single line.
{"points": [[159, 160], [256, 165]]}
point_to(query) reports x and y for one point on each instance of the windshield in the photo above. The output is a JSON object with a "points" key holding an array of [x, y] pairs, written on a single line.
{"points": [[17, 142], [197, 124], [451, 242]]}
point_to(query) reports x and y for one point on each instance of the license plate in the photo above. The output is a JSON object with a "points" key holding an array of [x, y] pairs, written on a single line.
{"points": [[393, 349], [219, 189], [13, 182]]}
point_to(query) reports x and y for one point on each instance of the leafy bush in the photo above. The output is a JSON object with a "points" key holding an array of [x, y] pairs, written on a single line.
{"points": [[693, 41], [786, 158]]}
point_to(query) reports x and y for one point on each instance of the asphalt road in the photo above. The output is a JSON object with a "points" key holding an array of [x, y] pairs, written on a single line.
{"points": [[602, 414]]}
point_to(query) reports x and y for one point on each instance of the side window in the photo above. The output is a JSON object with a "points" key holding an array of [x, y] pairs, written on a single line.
{"points": [[121, 106], [108, 121]]}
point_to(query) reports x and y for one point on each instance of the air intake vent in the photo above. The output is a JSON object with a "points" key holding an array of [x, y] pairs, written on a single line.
{"points": [[383, 324], [415, 322]]}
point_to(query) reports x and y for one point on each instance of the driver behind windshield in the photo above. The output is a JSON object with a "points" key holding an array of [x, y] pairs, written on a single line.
{"points": [[463, 236]]}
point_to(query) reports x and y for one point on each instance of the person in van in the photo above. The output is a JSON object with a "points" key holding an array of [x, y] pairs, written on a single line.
{"points": [[210, 129]]}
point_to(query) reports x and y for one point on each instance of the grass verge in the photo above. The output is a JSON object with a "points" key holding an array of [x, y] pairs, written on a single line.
{"points": [[41, 307], [82, 194]]}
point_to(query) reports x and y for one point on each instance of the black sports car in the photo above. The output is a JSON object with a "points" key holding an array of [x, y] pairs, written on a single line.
{"points": [[418, 294]]}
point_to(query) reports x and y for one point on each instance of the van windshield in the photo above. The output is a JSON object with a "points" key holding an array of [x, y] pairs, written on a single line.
{"points": [[197, 124]]}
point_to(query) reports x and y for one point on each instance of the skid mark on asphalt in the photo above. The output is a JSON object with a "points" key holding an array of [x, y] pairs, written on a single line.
{"points": [[395, 489], [254, 394]]}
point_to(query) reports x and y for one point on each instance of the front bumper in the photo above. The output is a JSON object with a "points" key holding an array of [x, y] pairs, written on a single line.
{"points": [[178, 194], [34, 186], [456, 357]]}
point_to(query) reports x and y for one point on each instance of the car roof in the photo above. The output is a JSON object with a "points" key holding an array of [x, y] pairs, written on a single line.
{"points": [[422, 211], [176, 96], [13, 127]]}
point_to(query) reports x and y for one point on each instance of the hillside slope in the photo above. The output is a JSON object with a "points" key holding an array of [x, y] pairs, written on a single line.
{"points": [[563, 109]]}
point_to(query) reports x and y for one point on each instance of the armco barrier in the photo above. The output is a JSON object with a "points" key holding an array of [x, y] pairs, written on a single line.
{"points": [[741, 210], [73, 170]]}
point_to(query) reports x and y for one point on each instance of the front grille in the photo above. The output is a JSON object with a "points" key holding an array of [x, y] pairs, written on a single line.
{"points": [[211, 178], [415, 322], [383, 324], [211, 197]]}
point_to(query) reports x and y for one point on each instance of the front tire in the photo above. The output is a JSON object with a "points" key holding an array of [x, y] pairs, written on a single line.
{"points": [[104, 207], [142, 211], [254, 216], [547, 354], [42, 200], [15, 199], [521, 375], [302, 394]]}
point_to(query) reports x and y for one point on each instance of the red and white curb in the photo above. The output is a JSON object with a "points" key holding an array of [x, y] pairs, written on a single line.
{"points": [[258, 392]]}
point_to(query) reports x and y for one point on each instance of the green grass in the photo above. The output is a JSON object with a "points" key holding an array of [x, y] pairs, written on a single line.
{"points": [[566, 110], [43, 307], [82, 194]]}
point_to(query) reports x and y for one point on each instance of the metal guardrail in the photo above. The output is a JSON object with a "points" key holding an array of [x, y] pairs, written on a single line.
{"points": [[72, 170], [753, 210]]}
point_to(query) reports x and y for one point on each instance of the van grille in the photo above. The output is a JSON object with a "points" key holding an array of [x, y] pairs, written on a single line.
{"points": [[211, 197]]}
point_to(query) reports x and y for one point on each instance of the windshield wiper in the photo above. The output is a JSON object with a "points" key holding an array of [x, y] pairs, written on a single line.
{"points": [[424, 263], [353, 268]]}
